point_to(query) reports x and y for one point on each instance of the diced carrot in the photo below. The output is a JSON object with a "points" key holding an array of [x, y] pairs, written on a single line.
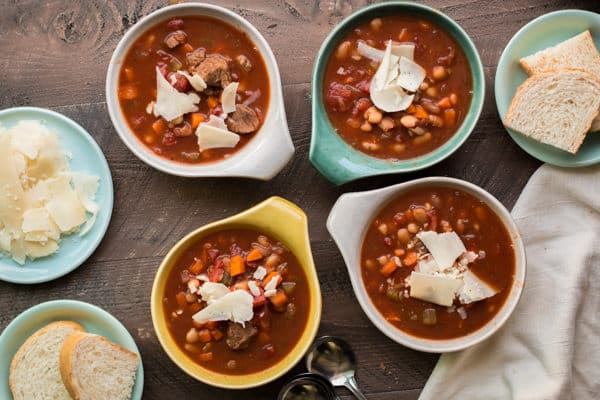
{"points": [[445, 102], [195, 307], [403, 36], [410, 259], [389, 268], [205, 356], [180, 297], [159, 126], [216, 334], [421, 113], [196, 267], [450, 116], [196, 119], [212, 102], [188, 48], [128, 73], [237, 266], [279, 300], [254, 255], [205, 336], [411, 109], [270, 276], [128, 92], [212, 324]]}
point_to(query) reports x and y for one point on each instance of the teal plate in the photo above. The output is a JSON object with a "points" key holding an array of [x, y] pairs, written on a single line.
{"points": [[543, 32], [337, 160], [92, 318], [86, 157]]}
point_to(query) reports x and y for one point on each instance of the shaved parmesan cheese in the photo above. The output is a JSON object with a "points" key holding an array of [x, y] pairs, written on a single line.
{"points": [[434, 289], [235, 306], [170, 103], [427, 265], [195, 80], [216, 122], [228, 97], [474, 289], [211, 291], [260, 273], [253, 288], [210, 137], [39, 198], [270, 292], [391, 98], [444, 247], [406, 50], [398, 49], [411, 74], [150, 108]]}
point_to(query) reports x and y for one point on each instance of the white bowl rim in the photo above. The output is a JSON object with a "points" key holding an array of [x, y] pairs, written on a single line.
{"points": [[262, 157], [350, 245]]}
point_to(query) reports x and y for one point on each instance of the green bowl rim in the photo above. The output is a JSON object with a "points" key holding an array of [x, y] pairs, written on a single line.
{"points": [[368, 165]]}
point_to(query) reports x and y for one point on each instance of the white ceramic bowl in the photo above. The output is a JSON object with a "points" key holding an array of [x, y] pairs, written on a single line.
{"points": [[348, 222], [262, 158]]}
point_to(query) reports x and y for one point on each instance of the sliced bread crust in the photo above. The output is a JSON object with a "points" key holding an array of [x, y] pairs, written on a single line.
{"points": [[93, 368], [556, 107], [578, 52], [34, 370]]}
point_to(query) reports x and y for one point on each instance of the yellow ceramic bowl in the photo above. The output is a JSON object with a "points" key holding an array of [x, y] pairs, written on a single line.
{"points": [[279, 219]]}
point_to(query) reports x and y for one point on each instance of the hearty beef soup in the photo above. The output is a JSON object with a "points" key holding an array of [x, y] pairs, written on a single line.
{"points": [[237, 302], [194, 89], [438, 263], [403, 104]]}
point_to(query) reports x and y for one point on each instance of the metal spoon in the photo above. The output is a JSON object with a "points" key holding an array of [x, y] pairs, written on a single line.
{"points": [[334, 359]]}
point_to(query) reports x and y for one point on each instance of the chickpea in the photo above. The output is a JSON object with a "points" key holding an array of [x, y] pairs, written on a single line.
{"points": [[370, 264], [408, 121], [383, 228], [420, 215], [192, 336], [403, 235], [191, 348], [399, 148], [376, 24], [382, 260], [373, 115], [460, 226], [366, 127], [424, 86], [353, 122], [343, 50], [387, 124], [412, 228], [432, 91], [454, 99], [419, 140], [370, 146], [439, 73]]}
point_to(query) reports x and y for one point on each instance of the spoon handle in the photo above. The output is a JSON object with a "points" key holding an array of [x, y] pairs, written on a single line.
{"points": [[353, 387]]}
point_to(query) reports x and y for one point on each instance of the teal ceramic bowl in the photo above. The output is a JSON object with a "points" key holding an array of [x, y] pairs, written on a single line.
{"points": [[84, 156], [545, 31], [338, 161], [92, 318]]}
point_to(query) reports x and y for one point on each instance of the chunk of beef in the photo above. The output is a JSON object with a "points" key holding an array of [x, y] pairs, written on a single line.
{"points": [[214, 70], [243, 120], [195, 57], [238, 336], [244, 62], [174, 39]]}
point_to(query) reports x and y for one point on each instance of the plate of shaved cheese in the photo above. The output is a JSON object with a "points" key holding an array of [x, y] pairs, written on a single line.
{"points": [[548, 88], [56, 195]]}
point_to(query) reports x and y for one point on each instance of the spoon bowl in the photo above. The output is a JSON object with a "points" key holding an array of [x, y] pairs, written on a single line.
{"points": [[334, 359]]}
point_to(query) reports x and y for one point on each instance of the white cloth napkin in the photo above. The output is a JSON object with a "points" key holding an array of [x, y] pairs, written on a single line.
{"points": [[550, 346]]}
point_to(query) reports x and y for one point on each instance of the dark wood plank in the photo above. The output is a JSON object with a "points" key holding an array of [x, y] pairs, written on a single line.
{"points": [[56, 56]]}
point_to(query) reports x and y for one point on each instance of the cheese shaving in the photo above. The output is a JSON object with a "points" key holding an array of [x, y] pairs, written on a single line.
{"points": [[444, 247], [411, 74], [234, 306], [398, 49], [228, 97], [195, 80], [434, 289], [211, 291], [170, 103], [40, 199], [260, 273], [474, 289], [210, 136]]}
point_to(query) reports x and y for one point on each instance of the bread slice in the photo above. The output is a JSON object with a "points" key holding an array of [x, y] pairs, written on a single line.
{"points": [[577, 52], [555, 107], [94, 368], [34, 370]]}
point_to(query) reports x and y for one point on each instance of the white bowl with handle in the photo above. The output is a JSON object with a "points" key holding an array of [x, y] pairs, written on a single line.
{"points": [[265, 154], [348, 222]]}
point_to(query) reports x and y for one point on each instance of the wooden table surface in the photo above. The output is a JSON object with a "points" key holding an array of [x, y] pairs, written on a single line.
{"points": [[55, 53]]}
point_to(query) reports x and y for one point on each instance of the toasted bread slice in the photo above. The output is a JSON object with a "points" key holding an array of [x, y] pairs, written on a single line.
{"points": [[94, 368], [577, 52], [556, 107], [34, 370]]}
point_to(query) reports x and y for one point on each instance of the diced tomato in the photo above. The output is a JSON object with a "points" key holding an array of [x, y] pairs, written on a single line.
{"points": [[174, 24], [169, 139], [341, 96], [361, 105], [259, 301], [181, 83], [364, 86], [215, 274]]}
